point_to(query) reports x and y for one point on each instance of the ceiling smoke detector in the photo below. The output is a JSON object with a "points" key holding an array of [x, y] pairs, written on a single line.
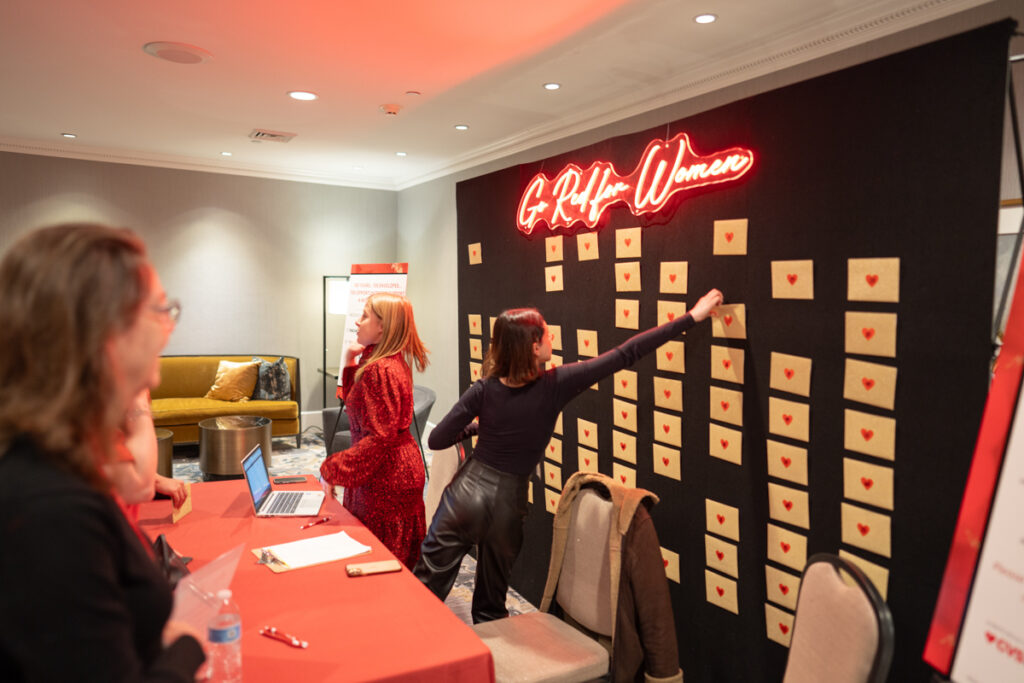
{"points": [[261, 135], [179, 53], [391, 109]]}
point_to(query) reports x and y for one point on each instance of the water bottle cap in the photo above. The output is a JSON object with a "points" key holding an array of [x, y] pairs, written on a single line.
{"points": [[224, 594]]}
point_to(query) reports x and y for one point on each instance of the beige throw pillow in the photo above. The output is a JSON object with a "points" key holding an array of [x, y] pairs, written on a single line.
{"points": [[234, 381]]}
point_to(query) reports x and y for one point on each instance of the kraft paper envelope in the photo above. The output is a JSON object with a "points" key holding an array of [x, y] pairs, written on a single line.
{"points": [[551, 499], [186, 507], [789, 418], [475, 325], [674, 277], [726, 405], [871, 334], [787, 462], [790, 373], [586, 343], [721, 519], [627, 314], [729, 321], [552, 475], [529, 493], [721, 555], [475, 254], [587, 460], [873, 279], [868, 530], [558, 424], [627, 243], [671, 561], [668, 394], [556, 336], [668, 428], [586, 246], [870, 383], [787, 547], [789, 505], [586, 433], [493, 320], [730, 237], [867, 483], [671, 357], [670, 310], [721, 591], [727, 364], [476, 349], [554, 450], [553, 248], [553, 279], [666, 461], [624, 415], [474, 371], [869, 434], [782, 587], [725, 444], [792, 279], [624, 475], [779, 624], [554, 362], [625, 384], [879, 575], [627, 276], [624, 446]]}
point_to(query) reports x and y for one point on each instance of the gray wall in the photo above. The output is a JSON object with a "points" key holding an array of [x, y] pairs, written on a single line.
{"points": [[245, 256]]}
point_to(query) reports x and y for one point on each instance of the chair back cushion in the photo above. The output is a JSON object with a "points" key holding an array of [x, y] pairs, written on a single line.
{"points": [[835, 633], [443, 466], [584, 586]]}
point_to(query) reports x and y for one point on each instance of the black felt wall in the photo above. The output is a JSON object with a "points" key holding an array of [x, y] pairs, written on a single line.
{"points": [[895, 158]]}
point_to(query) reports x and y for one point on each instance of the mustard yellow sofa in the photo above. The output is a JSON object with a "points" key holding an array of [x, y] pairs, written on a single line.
{"points": [[178, 403]]}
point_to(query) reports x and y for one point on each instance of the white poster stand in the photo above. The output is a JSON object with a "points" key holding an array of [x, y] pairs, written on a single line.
{"points": [[367, 279]]}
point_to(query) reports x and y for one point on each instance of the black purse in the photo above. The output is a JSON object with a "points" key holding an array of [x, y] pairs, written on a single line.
{"points": [[171, 563]]}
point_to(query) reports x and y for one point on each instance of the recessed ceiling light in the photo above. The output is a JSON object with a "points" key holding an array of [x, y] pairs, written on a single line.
{"points": [[705, 18], [303, 95], [461, 126], [413, 93], [552, 86], [70, 136], [179, 53], [401, 154], [357, 168], [225, 154]]}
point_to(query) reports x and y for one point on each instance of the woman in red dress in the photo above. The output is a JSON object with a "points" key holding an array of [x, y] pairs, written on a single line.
{"points": [[383, 470]]}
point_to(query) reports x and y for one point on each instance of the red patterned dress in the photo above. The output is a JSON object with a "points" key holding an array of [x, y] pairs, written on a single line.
{"points": [[383, 470]]}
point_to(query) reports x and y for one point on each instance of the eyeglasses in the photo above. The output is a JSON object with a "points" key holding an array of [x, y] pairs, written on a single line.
{"points": [[172, 309]]}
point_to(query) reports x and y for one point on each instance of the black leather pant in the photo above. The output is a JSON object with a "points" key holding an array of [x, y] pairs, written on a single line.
{"points": [[486, 508]]}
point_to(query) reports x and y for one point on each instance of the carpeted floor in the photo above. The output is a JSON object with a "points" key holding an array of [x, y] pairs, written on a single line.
{"points": [[287, 459]]}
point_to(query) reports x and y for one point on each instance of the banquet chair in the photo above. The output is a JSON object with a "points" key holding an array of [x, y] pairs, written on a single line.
{"points": [[843, 630], [422, 401], [539, 647], [443, 466]]}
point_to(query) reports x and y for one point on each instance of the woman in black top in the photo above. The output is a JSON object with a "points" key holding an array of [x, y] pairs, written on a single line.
{"points": [[517, 404]]}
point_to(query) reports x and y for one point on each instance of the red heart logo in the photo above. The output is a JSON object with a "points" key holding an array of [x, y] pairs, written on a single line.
{"points": [[625, 312], [872, 279], [625, 414], [671, 316], [552, 278], [665, 561], [724, 442], [586, 432], [586, 460], [626, 276], [623, 478], [867, 382], [728, 237], [551, 475], [725, 405], [784, 588], [785, 461], [474, 324], [668, 393], [787, 419], [867, 434], [624, 383], [586, 245], [666, 428], [627, 241], [726, 363], [721, 591], [721, 519], [791, 277], [669, 355], [622, 445], [863, 529], [552, 447], [788, 504], [728, 319], [783, 628], [586, 342], [867, 482], [868, 332], [720, 554], [785, 546], [671, 277], [788, 372], [666, 461]]}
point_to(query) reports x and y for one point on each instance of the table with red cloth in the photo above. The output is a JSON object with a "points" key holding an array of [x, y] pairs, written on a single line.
{"points": [[383, 627]]}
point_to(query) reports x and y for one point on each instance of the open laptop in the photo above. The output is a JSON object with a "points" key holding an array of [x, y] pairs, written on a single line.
{"points": [[269, 503]]}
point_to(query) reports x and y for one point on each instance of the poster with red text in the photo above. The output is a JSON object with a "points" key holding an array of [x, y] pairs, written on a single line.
{"points": [[367, 279]]}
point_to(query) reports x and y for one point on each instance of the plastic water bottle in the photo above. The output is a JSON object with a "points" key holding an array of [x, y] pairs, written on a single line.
{"points": [[224, 634]]}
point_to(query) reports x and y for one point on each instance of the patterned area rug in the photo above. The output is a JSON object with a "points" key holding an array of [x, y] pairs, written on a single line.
{"points": [[287, 459]]}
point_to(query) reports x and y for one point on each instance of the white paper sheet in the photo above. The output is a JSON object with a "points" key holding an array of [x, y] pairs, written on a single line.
{"points": [[317, 550]]}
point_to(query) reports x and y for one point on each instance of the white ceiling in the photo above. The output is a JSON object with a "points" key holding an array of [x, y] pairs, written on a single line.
{"points": [[78, 66]]}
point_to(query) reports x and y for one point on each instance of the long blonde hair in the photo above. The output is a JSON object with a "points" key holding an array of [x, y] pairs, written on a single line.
{"points": [[395, 313]]}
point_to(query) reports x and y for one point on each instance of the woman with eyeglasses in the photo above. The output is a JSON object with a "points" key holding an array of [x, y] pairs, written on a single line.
{"points": [[83, 319]]}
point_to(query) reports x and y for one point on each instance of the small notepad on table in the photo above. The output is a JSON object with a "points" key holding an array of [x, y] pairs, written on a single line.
{"points": [[316, 550]]}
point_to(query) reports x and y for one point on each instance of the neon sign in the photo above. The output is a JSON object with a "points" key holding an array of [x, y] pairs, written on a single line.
{"points": [[666, 168]]}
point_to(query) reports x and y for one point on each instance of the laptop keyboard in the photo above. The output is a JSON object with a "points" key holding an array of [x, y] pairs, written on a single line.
{"points": [[284, 502]]}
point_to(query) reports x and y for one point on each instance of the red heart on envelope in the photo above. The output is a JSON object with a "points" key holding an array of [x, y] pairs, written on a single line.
{"points": [[627, 241], [792, 278], [785, 546], [871, 279], [724, 442], [868, 332], [728, 319], [863, 529], [726, 363], [671, 277], [788, 372], [867, 434], [721, 519], [787, 419], [666, 461], [867, 382], [783, 628], [720, 554], [721, 591], [728, 237], [785, 461], [784, 588], [788, 504], [867, 482], [666, 428]]}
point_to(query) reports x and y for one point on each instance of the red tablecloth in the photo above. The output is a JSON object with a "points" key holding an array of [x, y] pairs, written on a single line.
{"points": [[385, 627]]}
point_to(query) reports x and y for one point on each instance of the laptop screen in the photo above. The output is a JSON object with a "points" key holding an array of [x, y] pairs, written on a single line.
{"points": [[256, 475]]}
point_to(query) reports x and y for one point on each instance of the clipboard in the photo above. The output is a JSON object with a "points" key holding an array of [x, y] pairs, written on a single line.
{"points": [[308, 552]]}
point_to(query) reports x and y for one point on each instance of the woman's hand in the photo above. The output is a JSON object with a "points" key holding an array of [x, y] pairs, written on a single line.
{"points": [[328, 488], [176, 629], [172, 488], [354, 350], [706, 304]]}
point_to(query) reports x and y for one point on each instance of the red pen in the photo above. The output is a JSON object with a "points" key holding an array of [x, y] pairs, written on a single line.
{"points": [[272, 632], [321, 520]]}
